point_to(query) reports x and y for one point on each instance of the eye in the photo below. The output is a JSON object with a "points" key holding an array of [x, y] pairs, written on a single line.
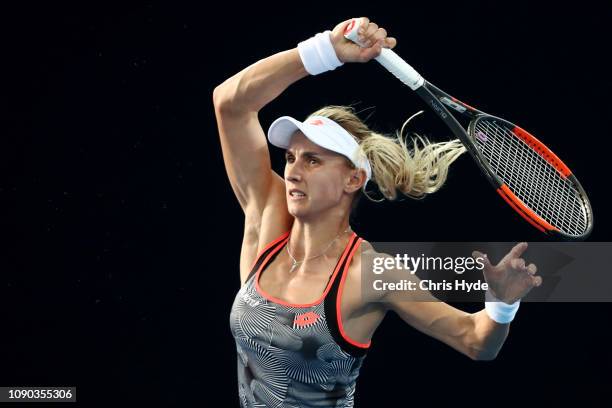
{"points": [[312, 161], [289, 158]]}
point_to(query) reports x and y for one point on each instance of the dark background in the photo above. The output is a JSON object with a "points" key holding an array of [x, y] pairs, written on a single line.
{"points": [[122, 235]]}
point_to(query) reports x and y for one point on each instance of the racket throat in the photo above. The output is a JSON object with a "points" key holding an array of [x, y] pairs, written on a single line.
{"points": [[452, 104]]}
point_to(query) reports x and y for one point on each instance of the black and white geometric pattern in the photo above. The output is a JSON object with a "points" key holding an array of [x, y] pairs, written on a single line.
{"points": [[283, 365]]}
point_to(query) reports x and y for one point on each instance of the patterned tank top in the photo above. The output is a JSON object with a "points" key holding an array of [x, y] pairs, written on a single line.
{"points": [[293, 355]]}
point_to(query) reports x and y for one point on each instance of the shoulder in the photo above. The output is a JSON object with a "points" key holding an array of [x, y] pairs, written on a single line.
{"points": [[366, 254], [363, 313], [360, 271], [381, 280]]}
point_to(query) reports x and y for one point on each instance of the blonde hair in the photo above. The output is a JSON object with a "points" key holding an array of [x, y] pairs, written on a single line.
{"points": [[414, 171]]}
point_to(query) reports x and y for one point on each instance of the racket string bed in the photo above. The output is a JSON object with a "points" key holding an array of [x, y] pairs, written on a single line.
{"points": [[552, 187], [535, 181]]}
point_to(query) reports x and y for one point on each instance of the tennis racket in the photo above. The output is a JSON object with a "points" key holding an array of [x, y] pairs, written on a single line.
{"points": [[527, 175]]}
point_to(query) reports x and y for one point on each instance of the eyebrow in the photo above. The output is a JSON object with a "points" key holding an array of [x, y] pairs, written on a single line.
{"points": [[307, 154]]}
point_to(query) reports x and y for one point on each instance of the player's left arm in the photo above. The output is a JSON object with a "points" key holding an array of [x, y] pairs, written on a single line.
{"points": [[476, 335], [473, 334]]}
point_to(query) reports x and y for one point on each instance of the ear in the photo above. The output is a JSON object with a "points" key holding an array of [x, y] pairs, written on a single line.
{"points": [[357, 178]]}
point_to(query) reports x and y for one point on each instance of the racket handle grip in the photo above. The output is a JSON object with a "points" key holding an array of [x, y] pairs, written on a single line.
{"points": [[388, 59]]}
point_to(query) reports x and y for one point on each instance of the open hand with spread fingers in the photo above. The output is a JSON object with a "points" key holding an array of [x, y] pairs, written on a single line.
{"points": [[511, 279]]}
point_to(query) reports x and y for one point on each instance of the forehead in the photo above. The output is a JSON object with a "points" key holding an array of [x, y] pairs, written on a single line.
{"points": [[299, 143]]}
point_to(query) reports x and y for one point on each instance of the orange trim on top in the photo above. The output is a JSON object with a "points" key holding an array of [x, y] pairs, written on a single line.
{"points": [[543, 151], [522, 209], [267, 247], [284, 303], [339, 301]]}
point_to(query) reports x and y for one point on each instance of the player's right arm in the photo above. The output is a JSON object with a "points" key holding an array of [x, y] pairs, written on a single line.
{"points": [[237, 103], [259, 190]]}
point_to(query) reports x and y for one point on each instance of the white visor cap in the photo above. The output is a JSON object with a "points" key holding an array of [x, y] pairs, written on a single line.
{"points": [[323, 132]]}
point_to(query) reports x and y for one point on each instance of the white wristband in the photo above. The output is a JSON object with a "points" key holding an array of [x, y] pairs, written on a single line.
{"points": [[499, 311], [318, 54]]}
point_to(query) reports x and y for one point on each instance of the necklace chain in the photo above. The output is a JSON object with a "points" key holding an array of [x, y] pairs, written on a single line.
{"points": [[296, 262]]}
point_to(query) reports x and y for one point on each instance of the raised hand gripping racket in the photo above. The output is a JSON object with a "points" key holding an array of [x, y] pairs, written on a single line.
{"points": [[525, 173]]}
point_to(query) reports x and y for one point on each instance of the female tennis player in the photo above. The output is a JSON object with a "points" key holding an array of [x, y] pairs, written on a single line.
{"points": [[301, 325]]}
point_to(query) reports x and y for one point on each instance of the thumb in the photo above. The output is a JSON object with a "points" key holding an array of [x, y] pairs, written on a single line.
{"points": [[483, 257], [371, 52]]}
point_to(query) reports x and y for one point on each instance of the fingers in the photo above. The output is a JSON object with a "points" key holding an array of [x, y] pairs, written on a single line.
{"points": [[378, 38], [515, 277], [532, 269], [371, 35], [518, 249], [536, 281], [370, 30], [363, 28], [484, 257], [517, 263], [364, 24], [390, 42], [374, 34]]}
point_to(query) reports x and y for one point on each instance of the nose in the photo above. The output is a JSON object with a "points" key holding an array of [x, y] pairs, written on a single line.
{"points": [[293, 172]]}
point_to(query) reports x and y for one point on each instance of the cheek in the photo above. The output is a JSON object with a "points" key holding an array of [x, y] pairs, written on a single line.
{"points": [[329, 188]]}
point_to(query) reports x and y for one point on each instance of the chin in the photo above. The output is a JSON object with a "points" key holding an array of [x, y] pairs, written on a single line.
{"points": [[297, 211]]}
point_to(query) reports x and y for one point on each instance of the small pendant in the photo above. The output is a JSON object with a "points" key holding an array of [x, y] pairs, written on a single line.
{"points": [[293, 266]]}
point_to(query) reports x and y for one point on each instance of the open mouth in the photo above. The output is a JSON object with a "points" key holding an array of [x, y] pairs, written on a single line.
{"points": [[296, 194]]}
